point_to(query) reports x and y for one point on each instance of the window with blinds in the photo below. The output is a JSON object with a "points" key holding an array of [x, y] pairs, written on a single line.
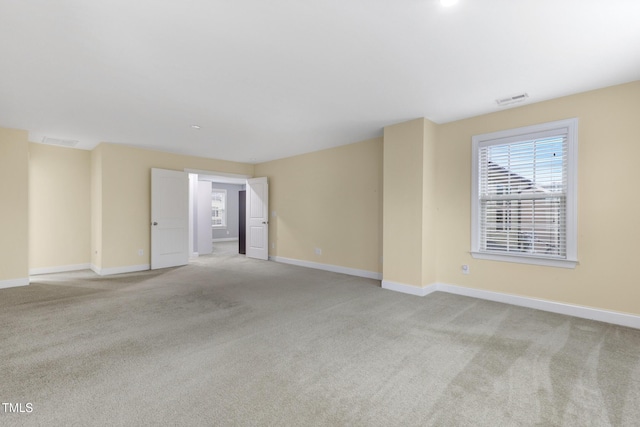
{"points": [[524, 193], [218, 208]]}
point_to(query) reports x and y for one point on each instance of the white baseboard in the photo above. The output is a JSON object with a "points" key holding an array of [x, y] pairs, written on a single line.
{"points": [[225, 239], [58, 269], [409, 289], [591, 313], [120, 270], [329, 267], [583, 312], [13, 283]]}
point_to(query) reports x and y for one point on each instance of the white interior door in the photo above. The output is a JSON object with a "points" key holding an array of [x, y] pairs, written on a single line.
{"points": [[257, 218], [169, 218]]}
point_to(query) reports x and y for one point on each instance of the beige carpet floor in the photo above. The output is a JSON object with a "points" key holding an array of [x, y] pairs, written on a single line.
{"points": [[231, 341]]}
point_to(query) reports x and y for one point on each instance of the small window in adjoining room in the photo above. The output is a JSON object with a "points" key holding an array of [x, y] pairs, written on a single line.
{"points": [[523, 205], [218, 208]]}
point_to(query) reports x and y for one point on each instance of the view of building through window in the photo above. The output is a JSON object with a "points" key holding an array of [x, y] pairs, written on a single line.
{"points": [[523, 197], [219, 208]]}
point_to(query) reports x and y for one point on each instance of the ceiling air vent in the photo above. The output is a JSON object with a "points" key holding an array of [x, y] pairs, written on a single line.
{"points": [[512, 99], [58, 141]]}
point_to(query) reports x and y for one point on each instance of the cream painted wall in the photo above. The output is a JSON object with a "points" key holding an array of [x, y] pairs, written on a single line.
{"points": [[126, 208], [608, 203], [96, 207], [402, 205], [410, 203], [330, 199], [59, 206], [429, 202], [14, 214]]}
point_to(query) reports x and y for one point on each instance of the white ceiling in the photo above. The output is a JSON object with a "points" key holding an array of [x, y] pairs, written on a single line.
{"points": [[271, 79]]}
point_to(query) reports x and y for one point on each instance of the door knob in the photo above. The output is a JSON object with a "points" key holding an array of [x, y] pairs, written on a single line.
{"points": [[154, 223], [265, 222]]}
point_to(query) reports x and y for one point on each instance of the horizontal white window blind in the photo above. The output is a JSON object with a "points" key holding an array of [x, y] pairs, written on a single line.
{"points": [[523, 197]]}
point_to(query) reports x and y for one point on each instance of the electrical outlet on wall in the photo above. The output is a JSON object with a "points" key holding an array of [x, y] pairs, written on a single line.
{"points": [[140, 252], [318, 251], [465, 269]]}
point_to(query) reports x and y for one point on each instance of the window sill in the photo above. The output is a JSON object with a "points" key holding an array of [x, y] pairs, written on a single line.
{"points": [[523, 259]]}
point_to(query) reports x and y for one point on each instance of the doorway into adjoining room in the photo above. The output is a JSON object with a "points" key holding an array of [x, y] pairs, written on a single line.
{"points": [[216, 220]]}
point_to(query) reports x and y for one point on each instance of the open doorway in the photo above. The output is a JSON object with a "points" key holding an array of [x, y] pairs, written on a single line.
{"points": [[215, 203]]}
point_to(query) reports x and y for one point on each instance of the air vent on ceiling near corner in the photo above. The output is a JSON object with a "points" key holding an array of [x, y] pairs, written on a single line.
{"points": [[512, 99], [58, 141]]}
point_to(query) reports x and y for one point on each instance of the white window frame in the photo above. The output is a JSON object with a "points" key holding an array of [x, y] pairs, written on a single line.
{"points": [[570, 127], [224, 210]]}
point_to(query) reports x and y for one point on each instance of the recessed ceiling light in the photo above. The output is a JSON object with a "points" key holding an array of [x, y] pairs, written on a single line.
{"points": [[195, 127], [448, 3]]}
